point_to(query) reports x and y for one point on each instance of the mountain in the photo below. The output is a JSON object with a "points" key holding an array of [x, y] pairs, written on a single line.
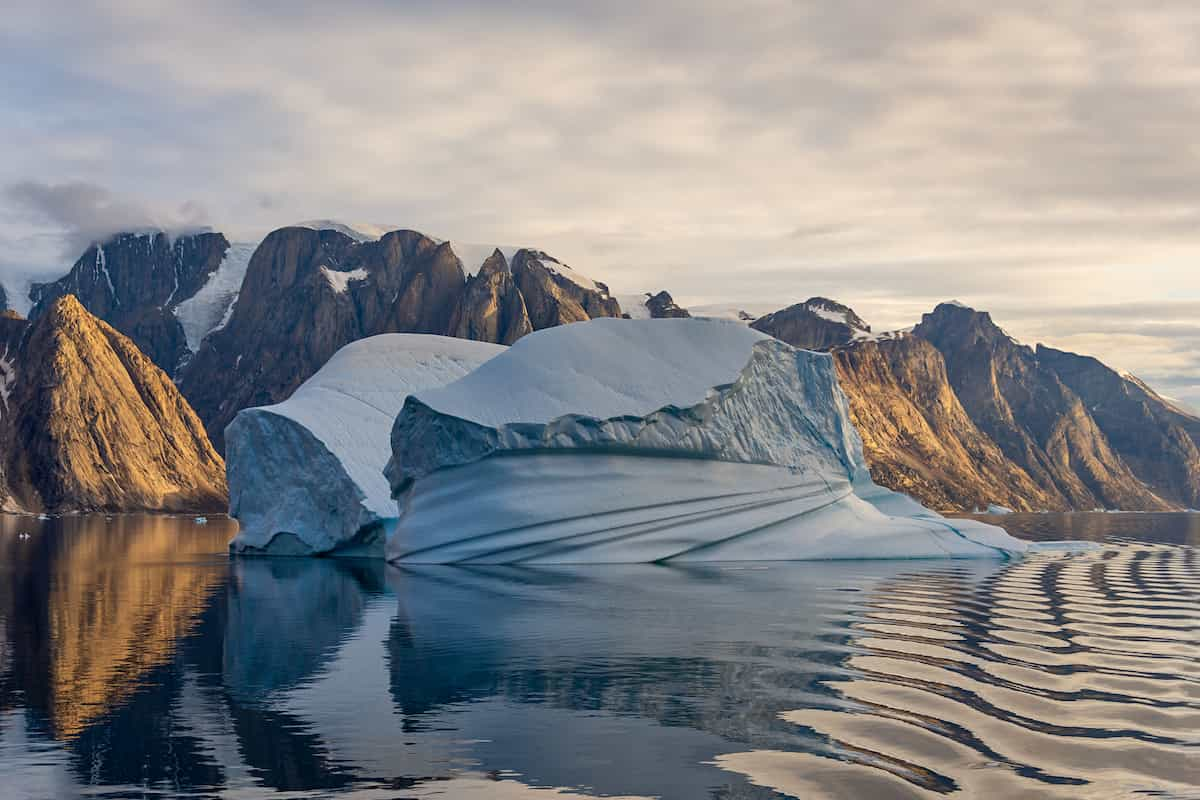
{"points": [[1023, 405], [491, 308], [308, 292], [663, 306], [88, 422], [917, 436], [1154, 438], [954, 412], [555, 294], [3, 298], [816, 324], [652, 306], [959, 415], [137, 282]]}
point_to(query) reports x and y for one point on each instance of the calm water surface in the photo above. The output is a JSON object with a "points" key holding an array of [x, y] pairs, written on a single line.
{"points": [[138, 660]]}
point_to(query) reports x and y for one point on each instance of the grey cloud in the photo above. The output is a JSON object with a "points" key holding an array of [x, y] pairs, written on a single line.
{"points": [[86, 213]]}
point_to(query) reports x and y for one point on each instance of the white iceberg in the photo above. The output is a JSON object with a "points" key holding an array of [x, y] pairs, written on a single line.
{"points": [[306, 475], [651, 440]]}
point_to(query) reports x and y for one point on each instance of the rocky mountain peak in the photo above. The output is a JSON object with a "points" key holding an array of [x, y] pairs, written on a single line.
{"points": [[816, 324], [954, 322], [496, 263], [491, 308], [836, 312], [244, 324], [66, 312], [555, 294], [135, 281], [1034, 413], [663, 306], [91, 423], [648, 305]]}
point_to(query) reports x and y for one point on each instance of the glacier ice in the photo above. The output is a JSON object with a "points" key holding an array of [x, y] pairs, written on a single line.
{"points": [[306, 475], [651, 440], [210, 307]]}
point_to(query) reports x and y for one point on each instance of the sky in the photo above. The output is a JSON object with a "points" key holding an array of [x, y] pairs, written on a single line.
{"points": [[1038, 160]]}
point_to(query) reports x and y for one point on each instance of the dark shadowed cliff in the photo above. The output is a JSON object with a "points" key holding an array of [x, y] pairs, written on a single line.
{"points": [[134, 282]]}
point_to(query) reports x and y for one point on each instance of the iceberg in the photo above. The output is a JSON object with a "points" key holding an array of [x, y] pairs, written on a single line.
{"points": [[668, 440], [306, 475]]}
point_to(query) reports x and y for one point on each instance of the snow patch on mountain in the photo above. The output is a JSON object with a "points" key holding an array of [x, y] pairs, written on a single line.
{"points": [[740, 312], [828, 314], [840, 315], [209, 308], [881, 336], [101, 268], [634, 305], [556, 267], [359, 231], [340, 281]]}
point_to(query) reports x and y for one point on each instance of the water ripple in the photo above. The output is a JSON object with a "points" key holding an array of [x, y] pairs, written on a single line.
{"points": [[1076, 672]]}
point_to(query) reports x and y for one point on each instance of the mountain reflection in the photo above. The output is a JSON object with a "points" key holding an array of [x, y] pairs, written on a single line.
{"points": [[136, 658], [104, 605]]}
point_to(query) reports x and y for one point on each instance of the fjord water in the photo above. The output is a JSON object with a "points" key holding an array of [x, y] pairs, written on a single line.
{"points": [[138, 660]]}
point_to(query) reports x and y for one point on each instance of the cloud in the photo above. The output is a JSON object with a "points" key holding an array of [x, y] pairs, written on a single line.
{"points": [[1023, 157], [85, 213]]}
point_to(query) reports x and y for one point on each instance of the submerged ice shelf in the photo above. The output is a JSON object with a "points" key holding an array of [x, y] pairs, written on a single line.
{"points": [[651, 440], [306, 475]]}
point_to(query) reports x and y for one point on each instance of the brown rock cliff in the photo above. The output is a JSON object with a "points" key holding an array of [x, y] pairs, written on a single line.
{"points": [[90, 423]]}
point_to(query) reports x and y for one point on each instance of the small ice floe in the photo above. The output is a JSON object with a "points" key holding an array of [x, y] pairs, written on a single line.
{"points": [[43, 517], [201, 520], [24, 535], [997, 509]]}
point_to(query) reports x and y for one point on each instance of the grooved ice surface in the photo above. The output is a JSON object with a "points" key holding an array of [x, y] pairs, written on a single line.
{"points": [[305, 475], [651, 440]]}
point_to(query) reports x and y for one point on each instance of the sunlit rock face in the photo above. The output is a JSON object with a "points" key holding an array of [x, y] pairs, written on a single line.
{"points": [[89, 423], [306, 475], [491, 308], [650, 440], [1016, 396], [918, 438]]}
